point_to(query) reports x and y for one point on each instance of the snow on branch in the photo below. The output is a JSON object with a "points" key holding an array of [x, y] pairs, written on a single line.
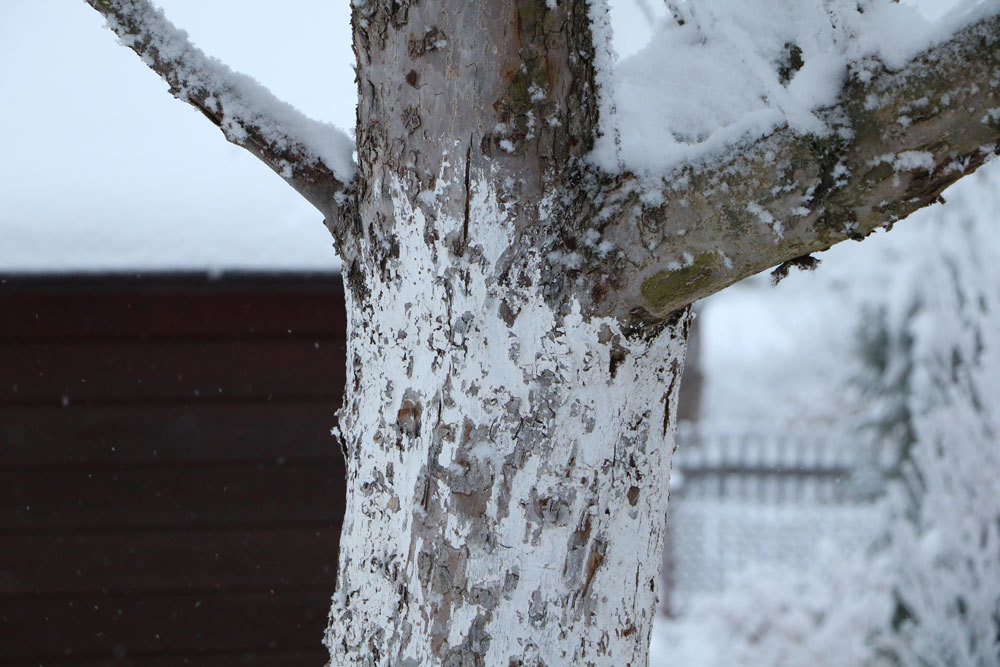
{"points": [[312, 156], [725, 71], [893, 138]]}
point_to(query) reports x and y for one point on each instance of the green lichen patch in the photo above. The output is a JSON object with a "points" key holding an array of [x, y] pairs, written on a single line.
{"points": [[669, 289]]}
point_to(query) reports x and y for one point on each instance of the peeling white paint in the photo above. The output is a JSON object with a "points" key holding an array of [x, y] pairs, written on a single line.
{"points": [[539, 460]]}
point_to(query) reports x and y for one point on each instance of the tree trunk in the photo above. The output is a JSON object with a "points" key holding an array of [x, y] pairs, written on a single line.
{"points": [[507, 450], [518, 320], [507, 481]]}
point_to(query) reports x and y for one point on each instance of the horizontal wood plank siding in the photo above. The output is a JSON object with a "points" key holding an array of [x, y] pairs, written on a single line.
{"points": [[153, 496], [204, 432], [178, 623], [66, 372], [170, 493], [170, 306], [185, 559]]}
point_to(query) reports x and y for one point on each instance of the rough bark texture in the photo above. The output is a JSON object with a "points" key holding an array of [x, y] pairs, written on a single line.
{"points": [[898, 140], [512, 387], [507, 469], [507, 453]]}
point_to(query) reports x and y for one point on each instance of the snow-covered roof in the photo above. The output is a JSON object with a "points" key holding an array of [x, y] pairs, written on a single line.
{"points": [[103, 170]]}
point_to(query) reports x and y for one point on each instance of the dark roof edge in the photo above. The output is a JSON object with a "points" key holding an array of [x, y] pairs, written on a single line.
{"points": [[123, 281]]}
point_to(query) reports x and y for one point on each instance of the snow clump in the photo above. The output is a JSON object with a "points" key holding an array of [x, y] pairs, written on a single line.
{"points": [[720, 72]]}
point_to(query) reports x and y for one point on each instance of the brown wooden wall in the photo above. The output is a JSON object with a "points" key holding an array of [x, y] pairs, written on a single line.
{"points": [[169, 490]]}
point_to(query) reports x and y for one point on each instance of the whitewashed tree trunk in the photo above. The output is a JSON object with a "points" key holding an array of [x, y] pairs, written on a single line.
{"points": [[518, 320], [507, 450], [507, 464]]}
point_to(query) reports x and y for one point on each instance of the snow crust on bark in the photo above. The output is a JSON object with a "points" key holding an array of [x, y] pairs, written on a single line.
{"points": [[245, 109], [511, 512], [720, 73]]}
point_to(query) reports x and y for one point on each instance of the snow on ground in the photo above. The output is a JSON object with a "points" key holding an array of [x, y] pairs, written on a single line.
{"points": [[105, 171]]}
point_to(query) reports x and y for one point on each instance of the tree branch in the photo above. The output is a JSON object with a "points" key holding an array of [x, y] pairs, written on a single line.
{"points": [[899, 139], [313, 157]]}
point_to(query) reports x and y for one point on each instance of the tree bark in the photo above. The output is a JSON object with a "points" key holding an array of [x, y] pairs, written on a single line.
{"points": [[507, 452], [897, 140], [518, 321], [507, 479]]}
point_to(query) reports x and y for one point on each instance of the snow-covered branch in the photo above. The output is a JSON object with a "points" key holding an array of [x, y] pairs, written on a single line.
{"points": [[312, 156], [894, 141]]}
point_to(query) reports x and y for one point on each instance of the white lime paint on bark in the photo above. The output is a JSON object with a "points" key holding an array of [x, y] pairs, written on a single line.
{"points": [[507, 450], [517, 318], [508, 464]]}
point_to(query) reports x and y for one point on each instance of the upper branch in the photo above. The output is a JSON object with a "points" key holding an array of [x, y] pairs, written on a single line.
{"points": [[313, 157], [898, 140]]}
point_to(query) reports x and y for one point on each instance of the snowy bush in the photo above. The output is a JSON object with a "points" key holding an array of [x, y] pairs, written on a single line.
{"points": [[944, 536], [927, 592], [767, 617]]}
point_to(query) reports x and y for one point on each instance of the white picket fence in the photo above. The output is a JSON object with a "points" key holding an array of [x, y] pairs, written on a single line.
{"points": [[741, 496]]}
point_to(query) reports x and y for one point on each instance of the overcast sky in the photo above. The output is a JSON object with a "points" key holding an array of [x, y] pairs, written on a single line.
{"points": [[105, 170]]}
